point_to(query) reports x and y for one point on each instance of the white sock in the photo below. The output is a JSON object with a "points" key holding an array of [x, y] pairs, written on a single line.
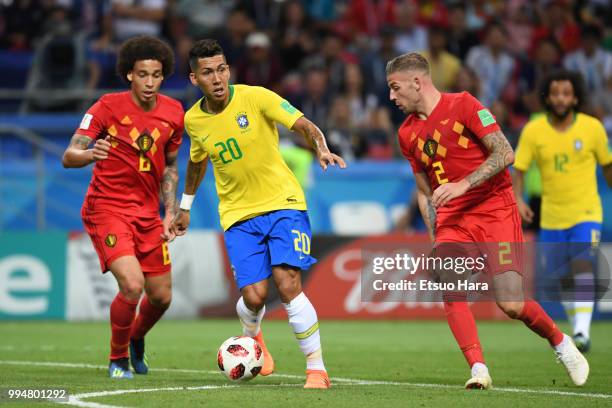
{"points": [[559, 347], [250, 320], [477, 368], [583, 306], [303, 320], [570, 311]]}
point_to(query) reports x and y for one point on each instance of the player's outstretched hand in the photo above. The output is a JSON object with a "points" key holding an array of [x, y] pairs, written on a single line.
{"points": [[447, 192], [168, 234], [525, 211], [330, 159], [101, 148], [181, 223]]}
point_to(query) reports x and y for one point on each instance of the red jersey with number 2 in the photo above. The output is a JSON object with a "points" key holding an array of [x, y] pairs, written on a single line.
{"points": [[128, 181], [447, 147]]}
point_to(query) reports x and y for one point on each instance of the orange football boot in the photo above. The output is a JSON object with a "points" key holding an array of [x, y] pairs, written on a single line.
{"points": [[317, 379], [268, 365]]}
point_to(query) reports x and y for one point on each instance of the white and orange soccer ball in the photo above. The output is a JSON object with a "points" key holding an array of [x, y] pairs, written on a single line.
{"points": [[240, 358]]}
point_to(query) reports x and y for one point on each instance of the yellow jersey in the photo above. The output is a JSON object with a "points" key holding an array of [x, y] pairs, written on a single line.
{"points": [[251, 177], [567, 162]]}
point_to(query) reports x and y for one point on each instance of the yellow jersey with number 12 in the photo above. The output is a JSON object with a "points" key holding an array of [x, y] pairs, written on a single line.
{"points": [[567, 162], [251, 177]]}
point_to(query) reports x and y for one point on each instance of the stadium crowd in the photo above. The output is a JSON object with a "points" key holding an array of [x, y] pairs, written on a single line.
{"points": [[328, 57]]}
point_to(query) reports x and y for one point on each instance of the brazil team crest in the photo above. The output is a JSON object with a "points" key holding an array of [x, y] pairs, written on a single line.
{"points": [[430, 148], [578, 145], [242, 120]]}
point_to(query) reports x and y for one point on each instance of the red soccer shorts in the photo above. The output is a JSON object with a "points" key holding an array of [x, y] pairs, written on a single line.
{"points": [[114, 235], [495, 234]]}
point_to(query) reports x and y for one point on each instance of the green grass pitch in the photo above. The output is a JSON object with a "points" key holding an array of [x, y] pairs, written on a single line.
{"points": [[376, 363]]}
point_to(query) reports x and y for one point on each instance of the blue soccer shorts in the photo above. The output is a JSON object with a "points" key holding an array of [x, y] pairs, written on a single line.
{"points": [[560, 247], [255, 245]]}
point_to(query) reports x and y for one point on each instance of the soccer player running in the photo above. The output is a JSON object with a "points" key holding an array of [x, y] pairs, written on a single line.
{"points": [[460, 157], [566, 145], [136, 135], [262, 206]]}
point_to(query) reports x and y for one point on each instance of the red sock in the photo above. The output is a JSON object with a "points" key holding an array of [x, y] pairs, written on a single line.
{"points": [[122, 312], [538, 320], [462, 324], [147, 316]]}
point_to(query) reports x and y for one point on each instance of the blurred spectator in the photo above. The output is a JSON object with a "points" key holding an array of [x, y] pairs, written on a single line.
{"points": [[233, 35], [342, 135], [519, 26], [602, 103], [296, 39], [373, 63], [335, 57], [201, 18], [492, 64], [129, 18], [432, 13], [460, 38], [362, 103], [547, 58], [443, 65], [265, 13], [20, 21], [479, 13], [261, 66], [467, 81], [591, 60], [323, 12], [410, 36], [368, 16], [315, 99], [556, 21]]}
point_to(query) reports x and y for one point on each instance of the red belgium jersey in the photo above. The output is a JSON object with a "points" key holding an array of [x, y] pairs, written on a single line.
{"points": [[447, 146], [128, 180]]}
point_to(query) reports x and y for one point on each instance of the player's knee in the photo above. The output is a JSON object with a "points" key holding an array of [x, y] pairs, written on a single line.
{"points": [[289, 287], [132, 288], [253, 300], [511, 309], [161, 299]]}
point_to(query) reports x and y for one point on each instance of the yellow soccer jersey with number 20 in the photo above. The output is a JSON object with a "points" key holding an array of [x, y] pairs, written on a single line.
{"points": [[567, 163], [251, 177]]}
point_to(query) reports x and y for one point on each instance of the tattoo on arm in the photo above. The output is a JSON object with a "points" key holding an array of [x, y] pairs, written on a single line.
{"points": [[169, 183], [312, 133], [500, 157], [194, 176], [80, 142], [428, 211]]}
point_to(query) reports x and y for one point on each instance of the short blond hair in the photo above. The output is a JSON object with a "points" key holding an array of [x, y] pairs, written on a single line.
{"points": [[408, 62]]}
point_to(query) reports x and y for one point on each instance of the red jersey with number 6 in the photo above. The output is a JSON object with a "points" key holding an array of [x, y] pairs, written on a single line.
{"points": [[128, 180], [447, 146]]}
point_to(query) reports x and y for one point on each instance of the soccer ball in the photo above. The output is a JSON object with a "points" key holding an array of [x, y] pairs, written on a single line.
{"points": [[240, 358]]}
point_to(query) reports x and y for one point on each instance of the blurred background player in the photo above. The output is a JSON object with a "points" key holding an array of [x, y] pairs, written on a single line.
{"points": [[262, 206], [137, 134], [465, 196], [566, 145]]}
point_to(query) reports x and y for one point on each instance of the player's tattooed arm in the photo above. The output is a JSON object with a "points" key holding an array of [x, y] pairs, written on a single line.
{"points": [[500, 157], [169, 182], [77, 154], [194, 176], [428, 210], [315, 137]]}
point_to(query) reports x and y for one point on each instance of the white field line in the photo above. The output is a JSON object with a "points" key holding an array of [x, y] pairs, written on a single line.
{"points": [[342, 381]]}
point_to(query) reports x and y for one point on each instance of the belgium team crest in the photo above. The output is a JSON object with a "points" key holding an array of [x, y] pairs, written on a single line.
{"points": [[110, 240], [430, 148], [242, 120], [145, 141]]}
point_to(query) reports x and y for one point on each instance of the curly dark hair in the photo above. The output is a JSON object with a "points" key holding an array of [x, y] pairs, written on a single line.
{"points": [[562, 75], [203, 49], [144, 48]]}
